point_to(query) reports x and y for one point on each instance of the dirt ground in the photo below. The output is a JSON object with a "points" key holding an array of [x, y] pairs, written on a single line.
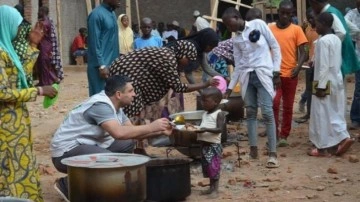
{"points": [[299, 177]]}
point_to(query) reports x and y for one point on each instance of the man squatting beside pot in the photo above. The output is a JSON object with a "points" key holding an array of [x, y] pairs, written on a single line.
{"points": [[99, 125]]}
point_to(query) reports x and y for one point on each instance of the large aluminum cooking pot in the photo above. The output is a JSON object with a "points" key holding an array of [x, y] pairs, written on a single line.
{"points": [[107, 177]]}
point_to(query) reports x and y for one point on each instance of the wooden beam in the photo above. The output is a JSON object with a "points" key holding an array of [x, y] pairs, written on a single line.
{"points": [[58, 18], [137, 12], [128, 11], [211, 18], [88, 6], [298, 10], [238, 4], [214, 14], [212, 3], [235, 3], [303, 12]]}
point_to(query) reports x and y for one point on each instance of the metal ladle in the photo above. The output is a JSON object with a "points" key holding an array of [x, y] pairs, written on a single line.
{"points": [[179, 119]]}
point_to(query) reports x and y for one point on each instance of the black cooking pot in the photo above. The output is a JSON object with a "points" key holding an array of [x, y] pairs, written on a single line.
{"points": [[168, 179]]}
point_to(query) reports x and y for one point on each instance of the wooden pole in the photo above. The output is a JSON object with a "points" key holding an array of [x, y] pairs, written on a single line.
{"points": [[238, 4], [128, 11], [88, 6], [303, 12], [214, 14], [298, 11], [58, 17], [137, 12], [212, 3], [211, 18]]}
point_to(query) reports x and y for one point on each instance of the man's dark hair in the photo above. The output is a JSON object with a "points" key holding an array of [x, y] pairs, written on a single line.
{"points": [[45, 9], [286, 3], [231, 12], [82, 30], [213, 93], [326, 19], [116, 83]]}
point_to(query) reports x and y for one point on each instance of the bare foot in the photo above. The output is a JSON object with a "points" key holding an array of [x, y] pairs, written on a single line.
{"points": [[206, 192], [214, 195]]}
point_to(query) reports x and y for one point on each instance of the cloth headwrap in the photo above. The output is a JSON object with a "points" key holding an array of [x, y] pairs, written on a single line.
{"points": [[203, 39], [120, 25], [10, 19], [183, 49], [225, 49]]}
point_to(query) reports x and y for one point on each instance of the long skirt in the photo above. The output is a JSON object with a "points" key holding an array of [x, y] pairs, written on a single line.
{"points": [[19, 176], [211, 160]]}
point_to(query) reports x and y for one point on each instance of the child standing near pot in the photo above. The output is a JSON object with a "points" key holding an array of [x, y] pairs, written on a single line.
{"points": [[209, 136]]}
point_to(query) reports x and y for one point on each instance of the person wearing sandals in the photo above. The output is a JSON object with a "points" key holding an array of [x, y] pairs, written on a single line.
{"points": [[327, 128], [256, 68], [292, 41]]}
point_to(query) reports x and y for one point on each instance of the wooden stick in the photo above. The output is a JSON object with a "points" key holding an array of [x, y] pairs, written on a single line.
{"points": [[214, 14], [58, 17], [235, 3], [211, 18], [88, 6], [128, 11], [298, 11], [137, 12], [238, 5]]}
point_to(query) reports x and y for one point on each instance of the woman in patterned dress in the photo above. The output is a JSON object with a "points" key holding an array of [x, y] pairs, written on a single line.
{"points": [[156, 70], [19, 175]]}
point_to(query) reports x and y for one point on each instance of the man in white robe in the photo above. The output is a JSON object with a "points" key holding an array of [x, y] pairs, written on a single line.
{"points": [[327, 122]]}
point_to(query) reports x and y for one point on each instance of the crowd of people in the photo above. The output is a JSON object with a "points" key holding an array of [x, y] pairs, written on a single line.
{"points": [[134, 81]]}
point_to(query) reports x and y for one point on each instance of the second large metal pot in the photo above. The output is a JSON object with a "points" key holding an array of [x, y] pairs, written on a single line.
{"points": [[235, 106], [168, 179], [107, 177]]}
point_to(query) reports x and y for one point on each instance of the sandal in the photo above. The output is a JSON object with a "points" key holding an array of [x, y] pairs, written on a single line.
{"points": [[272, 162], [344, 146], [318, 153], [282, 143]]}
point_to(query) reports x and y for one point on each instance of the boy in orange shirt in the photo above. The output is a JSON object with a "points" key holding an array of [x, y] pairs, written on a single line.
{"points": [[291, 39]]}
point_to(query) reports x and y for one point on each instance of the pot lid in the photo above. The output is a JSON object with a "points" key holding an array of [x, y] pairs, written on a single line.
{"points": [[105, 160]]}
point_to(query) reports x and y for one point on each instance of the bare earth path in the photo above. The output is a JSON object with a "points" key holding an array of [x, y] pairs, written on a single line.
{"points": [[299, 178]]}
